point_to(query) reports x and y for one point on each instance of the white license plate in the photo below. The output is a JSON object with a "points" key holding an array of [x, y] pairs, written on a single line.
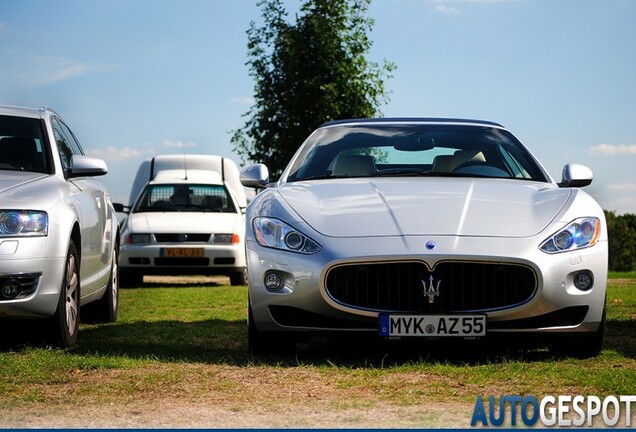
{"points": [[432, 325]]}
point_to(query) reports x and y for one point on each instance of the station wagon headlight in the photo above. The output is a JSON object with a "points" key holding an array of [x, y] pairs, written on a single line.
{"points": [[578, 234], [276, 234], [23, 223], [138, 238]]}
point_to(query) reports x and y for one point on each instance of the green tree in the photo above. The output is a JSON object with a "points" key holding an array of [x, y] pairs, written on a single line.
{"points": [[630, 219], [307, 72], [622, 238]]}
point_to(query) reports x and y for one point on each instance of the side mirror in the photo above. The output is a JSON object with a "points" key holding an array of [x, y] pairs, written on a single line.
{"points": [[256, 176], [575, 175], [120, 208], [86, 166]]}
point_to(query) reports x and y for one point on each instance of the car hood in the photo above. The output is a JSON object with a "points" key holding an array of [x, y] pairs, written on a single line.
{"points": [[426, 206], [34, 190], [185, 222]]}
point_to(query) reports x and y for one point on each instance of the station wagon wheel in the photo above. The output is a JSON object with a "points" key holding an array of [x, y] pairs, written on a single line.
{"points": [[239, 278], [130, 279], [106, 309], [113, 288], [66, 317]]}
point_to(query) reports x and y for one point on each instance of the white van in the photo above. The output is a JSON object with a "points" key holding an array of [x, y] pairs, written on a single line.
{"points": [[186, 216]]}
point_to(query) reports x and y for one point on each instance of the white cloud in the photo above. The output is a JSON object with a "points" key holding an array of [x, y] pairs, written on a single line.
{"points": [[486, 1], [622, 187], [51, 70], [620, 198], [114, 154], [612, 149], [246, 100], [446, 6], [446, 9], [65, 73], [179, 144], [472, 1]]}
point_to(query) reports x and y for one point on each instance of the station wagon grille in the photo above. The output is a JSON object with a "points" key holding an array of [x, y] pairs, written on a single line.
{"points": [[182, 262], [400, 286], [182, 238]]}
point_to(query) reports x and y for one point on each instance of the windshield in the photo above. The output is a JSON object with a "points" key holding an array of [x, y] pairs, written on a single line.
{"points": [[372, 150], [184, 198], [22, 146]]}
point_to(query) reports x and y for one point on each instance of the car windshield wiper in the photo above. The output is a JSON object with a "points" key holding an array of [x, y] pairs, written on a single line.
{"points": [[151, 210], [402, 173], [452, 174], [325, 176], [411, 173]]}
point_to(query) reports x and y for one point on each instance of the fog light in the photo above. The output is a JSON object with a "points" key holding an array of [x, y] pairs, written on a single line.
{"points": [[10, 289], [273, 281], [583, 280]]}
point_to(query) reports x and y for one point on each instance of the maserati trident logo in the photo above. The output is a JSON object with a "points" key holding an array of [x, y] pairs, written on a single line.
{"points": [[431, 291]]}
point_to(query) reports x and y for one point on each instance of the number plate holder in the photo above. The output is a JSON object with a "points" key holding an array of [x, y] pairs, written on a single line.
{"points": [[456, 325], [181, 252]]}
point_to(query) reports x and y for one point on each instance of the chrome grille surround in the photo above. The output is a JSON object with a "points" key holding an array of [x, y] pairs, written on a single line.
{"points": [[406, 286]]}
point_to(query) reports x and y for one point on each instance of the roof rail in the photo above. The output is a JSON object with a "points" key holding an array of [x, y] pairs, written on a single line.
{"points": [[152, 168], [410, 119]]}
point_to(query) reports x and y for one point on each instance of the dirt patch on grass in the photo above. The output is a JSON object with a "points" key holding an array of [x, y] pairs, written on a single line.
{"points": [[338, 384], [623, 283], [186, 280], [214, 396]]}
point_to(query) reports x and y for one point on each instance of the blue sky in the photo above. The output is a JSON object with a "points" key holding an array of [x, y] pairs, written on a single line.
{"points": [[136, 78]]}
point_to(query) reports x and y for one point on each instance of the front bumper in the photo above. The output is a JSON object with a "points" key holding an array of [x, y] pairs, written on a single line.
{"points": [[25, 256], [304, 305], [213, 260]]}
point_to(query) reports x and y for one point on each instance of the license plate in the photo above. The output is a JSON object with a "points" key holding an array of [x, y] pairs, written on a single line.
{"points": [[432, 325], [180, 252]]}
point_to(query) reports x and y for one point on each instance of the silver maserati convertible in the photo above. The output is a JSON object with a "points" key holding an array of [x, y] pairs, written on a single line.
{"points": [[424, 228]]}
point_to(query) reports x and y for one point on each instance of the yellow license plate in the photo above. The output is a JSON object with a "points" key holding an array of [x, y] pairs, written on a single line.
{"points": [[181, 252]]}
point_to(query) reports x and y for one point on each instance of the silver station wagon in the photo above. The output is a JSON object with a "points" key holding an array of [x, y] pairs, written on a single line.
{"points": [[58, 229]]}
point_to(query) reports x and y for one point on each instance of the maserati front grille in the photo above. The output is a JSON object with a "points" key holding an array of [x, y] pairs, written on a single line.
{"points": [[412, 287]]}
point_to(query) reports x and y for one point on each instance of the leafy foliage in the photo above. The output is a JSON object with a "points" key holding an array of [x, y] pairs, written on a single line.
{"points": [[307, 72], [622, 241]]}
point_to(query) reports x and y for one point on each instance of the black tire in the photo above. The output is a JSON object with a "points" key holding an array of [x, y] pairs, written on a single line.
{"points": [[65, 321], [130, 279], [106, 309], [239, 278], [583, 346], [260, 342]]}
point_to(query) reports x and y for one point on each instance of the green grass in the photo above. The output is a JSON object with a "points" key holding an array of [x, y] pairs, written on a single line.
{"points": [[204, 324], [166, 336], [622, 275]]}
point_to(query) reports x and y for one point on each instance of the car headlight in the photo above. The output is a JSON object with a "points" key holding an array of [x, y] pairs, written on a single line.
{"points": [[276, 234], [23, 223], [578, 234], [138, 238]]}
